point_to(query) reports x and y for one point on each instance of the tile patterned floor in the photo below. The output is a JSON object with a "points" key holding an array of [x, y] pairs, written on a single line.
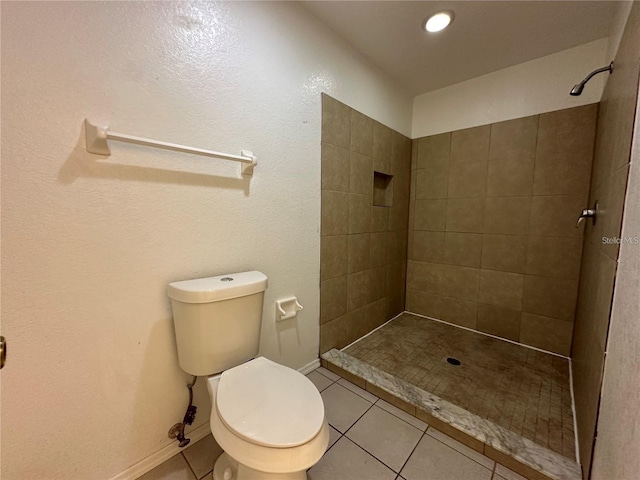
{"points": [[370, 440], [523, 390]]}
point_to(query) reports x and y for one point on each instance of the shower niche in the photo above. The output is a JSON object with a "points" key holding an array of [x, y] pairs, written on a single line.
{"points": [[382, 189]]}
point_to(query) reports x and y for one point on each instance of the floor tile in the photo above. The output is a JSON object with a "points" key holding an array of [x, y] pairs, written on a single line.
{"points": [[402, 414], [343, 407], [327, 373], [347, 461], [176, 468], [320, 381], [202, 455], [433, 460], [385, 436], [507, 474], [463, 449], [334, 436], [357, 390]]}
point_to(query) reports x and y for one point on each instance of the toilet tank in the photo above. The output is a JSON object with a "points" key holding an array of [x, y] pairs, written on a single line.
{"points": [[217, 320]]}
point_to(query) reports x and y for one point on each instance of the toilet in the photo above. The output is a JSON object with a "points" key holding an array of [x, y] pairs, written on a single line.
{"points": [[269, 419]]}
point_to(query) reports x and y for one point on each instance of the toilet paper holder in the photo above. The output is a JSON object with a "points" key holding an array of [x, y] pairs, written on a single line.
{"points": [[287, 308]]}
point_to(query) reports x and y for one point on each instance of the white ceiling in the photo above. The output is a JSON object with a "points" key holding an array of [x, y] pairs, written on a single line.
{"points": [[484, 37]]}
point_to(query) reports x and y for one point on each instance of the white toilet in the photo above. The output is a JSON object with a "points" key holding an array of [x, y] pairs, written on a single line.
{"points": [[268, 418]]}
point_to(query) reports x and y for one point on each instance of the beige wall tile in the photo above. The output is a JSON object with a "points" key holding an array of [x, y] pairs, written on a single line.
{"points": [[399, 216], [465, 215], [499, 321], [361, 134], [336, 122], [557, 215], [546, 333], [453, 310], [335, 168], [377, 283], [550, 297], [430, 215], [506, 253], [501, 289], [468, 162], [463, 249], [459, 282], [382, 138], [335, 213], [379, 219], [359, 248], [355, 325], [333, 335], [333, 256], [359, 213], [432, 182], [512, 156], [564, 153], [360, 174], [507, 215], [395, 277], [428, 246], [358, 290], [333, 298], [379, 248], [554, 257], [433, 150], [397, 248], [426, 277], [612, 210]]}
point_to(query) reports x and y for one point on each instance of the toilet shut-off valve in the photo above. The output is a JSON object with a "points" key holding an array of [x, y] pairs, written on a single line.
{"points": [[588, 213]]}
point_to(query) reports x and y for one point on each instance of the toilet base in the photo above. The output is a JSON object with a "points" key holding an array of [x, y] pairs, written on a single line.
{"points": [[226, 468]]}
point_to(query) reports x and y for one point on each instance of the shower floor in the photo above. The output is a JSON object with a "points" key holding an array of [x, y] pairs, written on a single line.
{"points": [[523, 390]]}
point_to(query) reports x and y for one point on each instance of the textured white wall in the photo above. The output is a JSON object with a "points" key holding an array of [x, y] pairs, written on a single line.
{"points": [[530, 88], [89, 243]]}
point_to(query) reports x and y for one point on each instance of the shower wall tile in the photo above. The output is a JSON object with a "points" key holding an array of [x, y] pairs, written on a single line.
{"points": [[333, 299], [463, 249], [551, 297], [360, 174], [434, 151], [565, 150], [359, 248], [363, 248], [465, 215], [507, 215], [335, 168], [512, 155], [556, 215], [468, 162], [336, 122], [506, 253], [501, 289], [546, 333], [430, 215], [499, 321], [361, 133], [513, 193], [335, 213]]}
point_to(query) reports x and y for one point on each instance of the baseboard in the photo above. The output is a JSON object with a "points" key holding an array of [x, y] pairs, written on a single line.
{"points": [[165, 453], [310, 367]]}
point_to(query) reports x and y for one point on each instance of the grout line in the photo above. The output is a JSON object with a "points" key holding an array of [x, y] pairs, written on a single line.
{"points": [[400, 418], [413, 450], [189, 466], [464, 455], [573, 411], [486, 334]]}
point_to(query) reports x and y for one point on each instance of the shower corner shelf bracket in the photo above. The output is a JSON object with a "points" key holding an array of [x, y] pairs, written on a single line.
{"points": [[287, 308], [97, 142]]}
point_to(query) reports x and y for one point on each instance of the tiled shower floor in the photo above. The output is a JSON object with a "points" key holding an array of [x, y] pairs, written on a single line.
{"points": [[521, 389]]}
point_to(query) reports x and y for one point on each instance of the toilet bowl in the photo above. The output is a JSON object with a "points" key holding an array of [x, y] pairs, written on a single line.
{"points": [[269, 419]]}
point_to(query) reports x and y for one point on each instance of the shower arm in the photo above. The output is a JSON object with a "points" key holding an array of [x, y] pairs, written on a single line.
{"points": [[608, 68]]}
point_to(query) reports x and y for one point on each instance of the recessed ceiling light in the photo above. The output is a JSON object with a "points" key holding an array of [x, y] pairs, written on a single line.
{"points": [[438, 21]]}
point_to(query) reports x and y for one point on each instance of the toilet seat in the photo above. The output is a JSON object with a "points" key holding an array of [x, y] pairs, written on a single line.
{"points": [[269, 404]]}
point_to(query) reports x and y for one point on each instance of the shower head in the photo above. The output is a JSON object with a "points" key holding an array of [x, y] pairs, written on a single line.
{"points": [[577, 89]]}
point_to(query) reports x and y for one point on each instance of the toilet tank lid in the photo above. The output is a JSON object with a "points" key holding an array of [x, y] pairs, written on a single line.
{"points": [[214, 289]]}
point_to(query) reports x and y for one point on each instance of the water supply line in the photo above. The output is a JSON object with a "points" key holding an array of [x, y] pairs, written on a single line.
{"points": [[177, 431]]}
